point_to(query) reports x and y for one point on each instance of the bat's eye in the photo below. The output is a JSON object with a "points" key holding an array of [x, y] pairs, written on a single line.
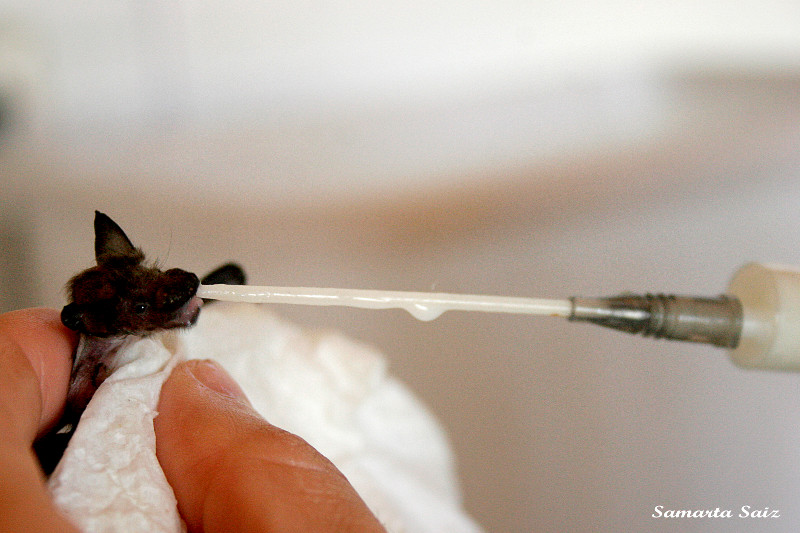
{"points": [[140, 308]]}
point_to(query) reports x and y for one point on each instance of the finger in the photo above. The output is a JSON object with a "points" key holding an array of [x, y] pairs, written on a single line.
{"points": [[38, 348], [232, 471], [35, 354]]}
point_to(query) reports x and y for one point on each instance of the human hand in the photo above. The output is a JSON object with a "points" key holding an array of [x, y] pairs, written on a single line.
{"points": [[231, 470], [35, 362]]}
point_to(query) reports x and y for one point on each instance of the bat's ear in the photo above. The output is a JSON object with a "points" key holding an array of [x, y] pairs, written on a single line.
{"points": [[110, 240], [229, 273], [72, 317]]}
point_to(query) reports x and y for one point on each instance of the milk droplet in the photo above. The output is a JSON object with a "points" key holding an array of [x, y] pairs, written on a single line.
{"points": [[426, 313]]}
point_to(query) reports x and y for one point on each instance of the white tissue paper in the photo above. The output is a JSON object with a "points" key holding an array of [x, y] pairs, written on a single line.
{"points": [[331, 391]]}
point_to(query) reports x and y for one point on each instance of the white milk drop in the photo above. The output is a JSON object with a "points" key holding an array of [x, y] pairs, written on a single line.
{"points": [[424, 312]]}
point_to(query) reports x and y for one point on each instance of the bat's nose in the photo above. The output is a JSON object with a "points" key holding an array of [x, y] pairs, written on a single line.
{"points": [[179, 287]]}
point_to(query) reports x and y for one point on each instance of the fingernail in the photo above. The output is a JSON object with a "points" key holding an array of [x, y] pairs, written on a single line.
{"points": [[214, 377]]}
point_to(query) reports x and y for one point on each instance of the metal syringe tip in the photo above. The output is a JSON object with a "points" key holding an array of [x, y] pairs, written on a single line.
{"points": [[716, 321]]}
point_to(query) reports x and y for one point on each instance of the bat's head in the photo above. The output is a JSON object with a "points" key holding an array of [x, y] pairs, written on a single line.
{"points": [[124, 296]]}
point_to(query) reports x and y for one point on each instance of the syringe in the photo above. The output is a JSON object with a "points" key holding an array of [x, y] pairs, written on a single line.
{"points": [[758, 319], [716, 321]]}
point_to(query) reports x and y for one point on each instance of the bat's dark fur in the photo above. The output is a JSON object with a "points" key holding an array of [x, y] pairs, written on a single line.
{"points": [[122, 296]]}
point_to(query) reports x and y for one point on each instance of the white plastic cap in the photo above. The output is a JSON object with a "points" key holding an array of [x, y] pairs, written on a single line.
{"points": [[770, 297]]}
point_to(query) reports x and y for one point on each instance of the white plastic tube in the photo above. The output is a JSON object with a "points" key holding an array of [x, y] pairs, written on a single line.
{"points": [[770, 297], [422, 305]]}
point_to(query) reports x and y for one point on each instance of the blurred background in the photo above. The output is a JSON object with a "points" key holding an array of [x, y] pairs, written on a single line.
{"points": [[524, 148]]}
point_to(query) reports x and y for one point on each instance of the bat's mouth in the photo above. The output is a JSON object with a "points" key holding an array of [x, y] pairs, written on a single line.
{"points": [[187, 315]]}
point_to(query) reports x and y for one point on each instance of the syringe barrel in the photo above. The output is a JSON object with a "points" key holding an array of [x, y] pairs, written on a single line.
{"points": [[716, 321], [770, 295]]}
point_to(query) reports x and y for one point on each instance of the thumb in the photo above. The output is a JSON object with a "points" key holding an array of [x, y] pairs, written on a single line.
{"points": [[233, 471]]}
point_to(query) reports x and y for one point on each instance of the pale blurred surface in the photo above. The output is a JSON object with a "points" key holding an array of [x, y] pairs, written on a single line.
{"points": [[514, 148]]}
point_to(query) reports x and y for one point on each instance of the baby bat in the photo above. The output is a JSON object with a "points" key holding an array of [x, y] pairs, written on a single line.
{"points": [[121, 297]]}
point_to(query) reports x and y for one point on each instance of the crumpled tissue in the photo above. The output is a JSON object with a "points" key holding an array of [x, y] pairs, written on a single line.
{"points": [[333, 392]]}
